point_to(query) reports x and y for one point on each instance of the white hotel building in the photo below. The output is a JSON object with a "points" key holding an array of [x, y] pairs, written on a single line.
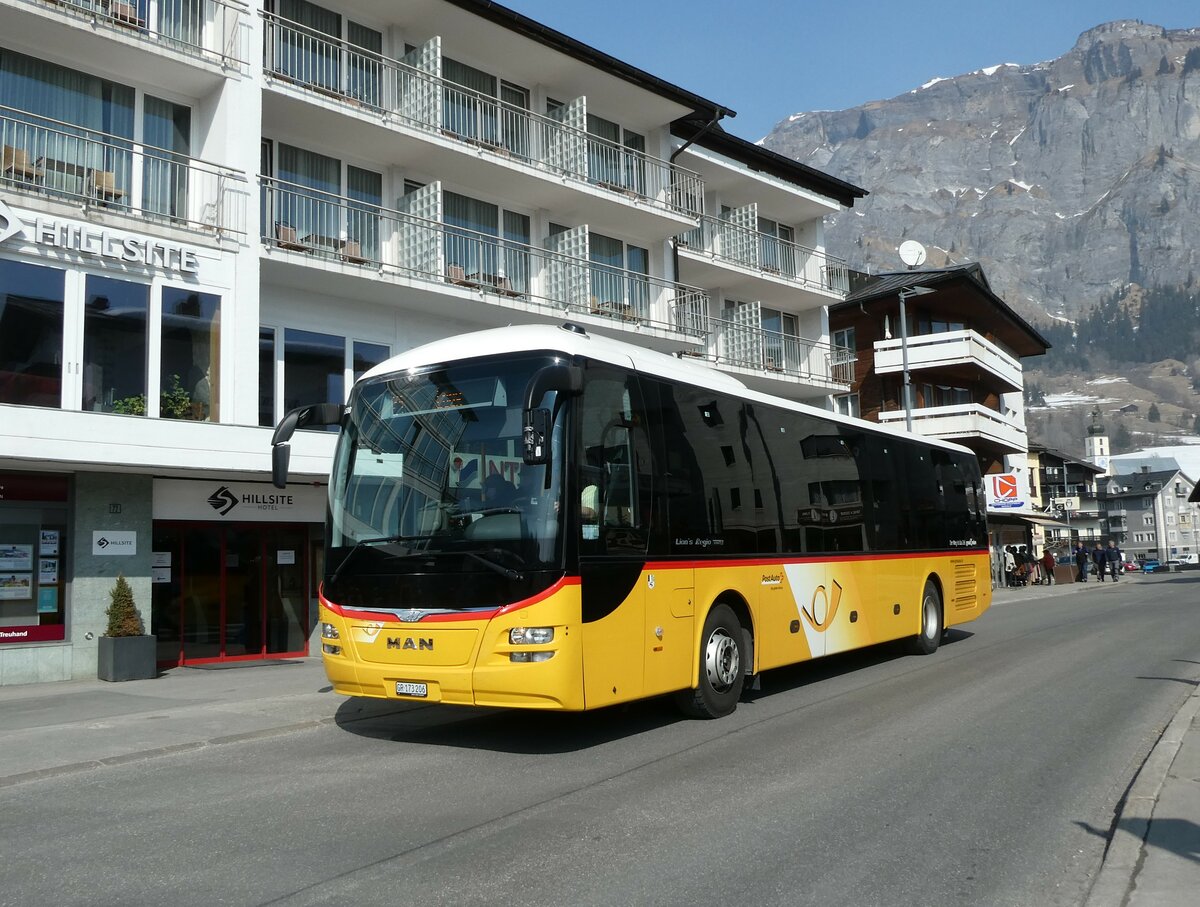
{"points": [[212, 212]]}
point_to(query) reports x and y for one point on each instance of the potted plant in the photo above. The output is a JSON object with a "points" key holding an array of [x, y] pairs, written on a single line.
{"points": [[127, 652]]}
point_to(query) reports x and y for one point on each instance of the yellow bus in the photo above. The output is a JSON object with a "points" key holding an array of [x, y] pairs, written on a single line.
{"points": [[539, 517]]}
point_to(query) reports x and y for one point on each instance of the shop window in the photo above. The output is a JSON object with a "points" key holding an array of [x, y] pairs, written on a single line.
{"points": [[31, 334], [33, 557], [114, 346], [191, 351]]}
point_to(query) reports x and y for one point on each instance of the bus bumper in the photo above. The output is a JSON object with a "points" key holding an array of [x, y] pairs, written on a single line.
{"points": [[459, 662]]}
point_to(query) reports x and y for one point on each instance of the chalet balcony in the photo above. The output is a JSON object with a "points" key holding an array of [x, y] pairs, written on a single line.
{"points": [[213, 31], [965, 353], [757, 265], [48, 159], [771, 360], [406, 97], [356, 239], [963, 423]]}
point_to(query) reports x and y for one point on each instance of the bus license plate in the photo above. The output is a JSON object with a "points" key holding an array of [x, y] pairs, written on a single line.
{"points": [[404, 688]]}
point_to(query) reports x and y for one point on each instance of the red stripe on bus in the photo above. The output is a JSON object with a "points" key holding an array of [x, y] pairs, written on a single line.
{"points": [[717, 563], [356, 614]]}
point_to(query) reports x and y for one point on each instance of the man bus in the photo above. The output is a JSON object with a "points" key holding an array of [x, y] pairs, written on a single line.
{"points": [[663, 529]]}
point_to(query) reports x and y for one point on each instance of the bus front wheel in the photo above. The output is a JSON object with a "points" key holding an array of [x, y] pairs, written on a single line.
{"points": [[722, 670], [926, 641]]}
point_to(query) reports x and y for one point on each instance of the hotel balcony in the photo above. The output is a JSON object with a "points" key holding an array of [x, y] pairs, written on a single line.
{"points": [[754, 265], [966, 424], [392, 110], [210, 36], [47, 160], [338, 241], [777, 363], [955, 354]]}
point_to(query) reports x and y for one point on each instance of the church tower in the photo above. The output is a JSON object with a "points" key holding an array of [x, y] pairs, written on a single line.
{"points": [[1095, 445]]}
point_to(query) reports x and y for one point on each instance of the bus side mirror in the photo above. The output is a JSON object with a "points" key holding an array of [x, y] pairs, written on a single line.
{"points": [[281, 455], [300, 417]]}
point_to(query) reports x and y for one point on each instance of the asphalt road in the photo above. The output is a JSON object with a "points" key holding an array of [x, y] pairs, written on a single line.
{"points": [[985, 774]]}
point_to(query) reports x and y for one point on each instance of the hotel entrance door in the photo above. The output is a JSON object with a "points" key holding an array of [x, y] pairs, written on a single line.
{"points": [[228, 592]]}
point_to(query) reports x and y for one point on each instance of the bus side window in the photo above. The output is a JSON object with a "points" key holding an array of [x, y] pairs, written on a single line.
{"points": [[615, 470]]}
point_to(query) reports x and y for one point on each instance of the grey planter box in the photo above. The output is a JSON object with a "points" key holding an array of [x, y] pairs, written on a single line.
{"points": [[127, 658]]}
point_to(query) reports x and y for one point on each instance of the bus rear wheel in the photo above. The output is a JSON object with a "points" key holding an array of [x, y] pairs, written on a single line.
{"points": [[927, 640], [722, 669]]}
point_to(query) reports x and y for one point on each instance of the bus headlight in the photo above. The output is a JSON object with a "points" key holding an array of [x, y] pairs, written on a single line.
{"points": [[526, 657], [331, 650], [530, 636], [329, 631]]}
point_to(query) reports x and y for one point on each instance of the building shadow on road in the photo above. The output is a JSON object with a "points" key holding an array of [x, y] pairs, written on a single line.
{"points": [[1178, 836]]}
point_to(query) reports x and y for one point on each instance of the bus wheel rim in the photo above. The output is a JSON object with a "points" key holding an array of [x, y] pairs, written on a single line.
{"points": [[931, 617], [722, 660]]}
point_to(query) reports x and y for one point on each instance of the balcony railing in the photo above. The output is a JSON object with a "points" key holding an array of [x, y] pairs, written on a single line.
{"points": [[363, 79], [332, 227], [739, 245], [213, 29], [950, 347], [58, 160], [964, 421], [777, 353]]}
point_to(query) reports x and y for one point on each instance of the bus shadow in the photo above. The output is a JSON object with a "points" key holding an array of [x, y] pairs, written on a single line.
{"points": [[780, 680], [506, 730], [530, 733]]}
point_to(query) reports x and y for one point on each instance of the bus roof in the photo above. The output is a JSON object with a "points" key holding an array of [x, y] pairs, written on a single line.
{"points": [[574, 340]]}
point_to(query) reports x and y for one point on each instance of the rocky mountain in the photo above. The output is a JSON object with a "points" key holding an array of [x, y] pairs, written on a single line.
{"points": [[1071, 180]]}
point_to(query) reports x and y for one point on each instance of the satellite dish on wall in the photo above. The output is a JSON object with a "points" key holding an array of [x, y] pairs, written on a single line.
{"points": [[912, 253]]}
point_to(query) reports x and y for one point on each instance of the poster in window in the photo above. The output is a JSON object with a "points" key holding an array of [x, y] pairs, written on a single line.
{"points": [[16, 586], [47, 571], [16, 557], [48, 544], [47, 600]]}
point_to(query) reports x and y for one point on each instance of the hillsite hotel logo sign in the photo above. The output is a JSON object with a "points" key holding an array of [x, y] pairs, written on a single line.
{"points": [[242, 502], [97, 242], [223, 501]]}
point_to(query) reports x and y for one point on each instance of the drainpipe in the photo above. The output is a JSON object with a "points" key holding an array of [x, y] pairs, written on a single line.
{"points": [[674, 154]]}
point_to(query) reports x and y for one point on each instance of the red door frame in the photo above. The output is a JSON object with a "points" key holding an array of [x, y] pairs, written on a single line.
{"points": [[261, 529]]}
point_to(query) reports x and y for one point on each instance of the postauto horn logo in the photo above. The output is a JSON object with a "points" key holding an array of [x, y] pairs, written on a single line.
{"points": [[222, 500]]}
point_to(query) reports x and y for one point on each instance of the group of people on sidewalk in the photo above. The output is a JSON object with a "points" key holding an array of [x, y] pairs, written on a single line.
{"points": [[1021, 568], [1103, 560]]}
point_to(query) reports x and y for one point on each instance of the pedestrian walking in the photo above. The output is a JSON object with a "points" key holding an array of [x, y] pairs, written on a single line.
{"points": [[1047, 567], [1100, 560], [1113, 556], [1082, 559]]}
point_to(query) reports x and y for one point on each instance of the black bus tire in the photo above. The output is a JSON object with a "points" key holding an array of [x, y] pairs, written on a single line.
{"points": [[927, 640], [722, 667]]}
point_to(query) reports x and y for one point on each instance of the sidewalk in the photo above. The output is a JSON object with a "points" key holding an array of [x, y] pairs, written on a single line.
{"points": [[1153, 859]]}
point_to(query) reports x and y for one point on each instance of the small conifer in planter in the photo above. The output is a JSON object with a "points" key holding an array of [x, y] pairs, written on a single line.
{"points": [[126, 652]]}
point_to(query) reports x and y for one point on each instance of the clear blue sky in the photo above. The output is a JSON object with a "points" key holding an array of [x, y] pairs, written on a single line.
{"points": [[768, 59]]}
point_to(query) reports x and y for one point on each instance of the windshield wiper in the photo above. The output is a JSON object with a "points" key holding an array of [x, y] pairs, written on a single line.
{"points": [[506, 572], [367, 543]]}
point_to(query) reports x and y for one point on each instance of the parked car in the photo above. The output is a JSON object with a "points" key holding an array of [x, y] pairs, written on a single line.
{"points": [[1132, 566], [1149, 565]]}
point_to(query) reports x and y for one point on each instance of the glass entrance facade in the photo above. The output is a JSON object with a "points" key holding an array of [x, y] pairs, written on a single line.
{"points": [[228, 592]]}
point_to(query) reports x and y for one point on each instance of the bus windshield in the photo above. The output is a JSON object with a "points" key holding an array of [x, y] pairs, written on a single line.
{"points": [[431, 506]]}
